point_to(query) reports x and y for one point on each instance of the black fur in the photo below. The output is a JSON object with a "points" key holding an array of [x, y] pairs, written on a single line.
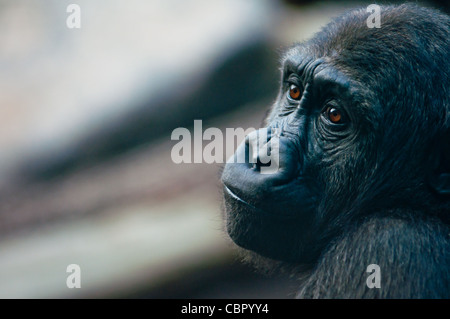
{"points": [[373, 190]]}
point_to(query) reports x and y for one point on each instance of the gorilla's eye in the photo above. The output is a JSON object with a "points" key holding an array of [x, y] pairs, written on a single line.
{"points": [[334, 115], [294, 92]]}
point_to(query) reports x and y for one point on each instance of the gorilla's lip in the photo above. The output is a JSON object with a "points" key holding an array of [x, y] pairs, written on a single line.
{"points": [[255, 210], [235, 197]]}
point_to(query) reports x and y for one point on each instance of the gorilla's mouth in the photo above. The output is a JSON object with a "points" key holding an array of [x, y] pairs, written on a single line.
{"points": [[237, 198], [244, 206]]}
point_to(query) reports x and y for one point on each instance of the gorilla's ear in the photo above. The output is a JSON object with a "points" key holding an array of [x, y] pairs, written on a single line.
{"points": [[440, 177]]}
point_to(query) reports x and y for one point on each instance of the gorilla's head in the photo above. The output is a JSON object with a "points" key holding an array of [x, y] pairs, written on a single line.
{"points": [[361, 127]]}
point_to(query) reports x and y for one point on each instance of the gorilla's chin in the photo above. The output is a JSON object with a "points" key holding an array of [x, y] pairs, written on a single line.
{"points": [[262, 232]]}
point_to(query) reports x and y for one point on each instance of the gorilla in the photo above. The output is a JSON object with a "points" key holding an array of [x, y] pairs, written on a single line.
{"points": [[362, 122]]}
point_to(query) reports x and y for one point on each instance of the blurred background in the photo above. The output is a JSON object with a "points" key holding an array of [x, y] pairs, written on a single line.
{"points": [[86, 117]]}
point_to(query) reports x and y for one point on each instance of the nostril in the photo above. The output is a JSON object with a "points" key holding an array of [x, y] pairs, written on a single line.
{"points": [[257, 164], [262, 161], [259, 147]]}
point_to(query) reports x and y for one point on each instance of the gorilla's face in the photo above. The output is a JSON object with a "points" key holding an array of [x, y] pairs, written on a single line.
{"points": [[352, 138], [278, 214]]}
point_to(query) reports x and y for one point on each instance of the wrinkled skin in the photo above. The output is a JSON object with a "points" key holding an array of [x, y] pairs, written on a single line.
{"points": [[364, 151]]}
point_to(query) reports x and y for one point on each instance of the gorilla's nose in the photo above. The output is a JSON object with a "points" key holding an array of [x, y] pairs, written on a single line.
{"points": [[265, 160], [263, 150]]}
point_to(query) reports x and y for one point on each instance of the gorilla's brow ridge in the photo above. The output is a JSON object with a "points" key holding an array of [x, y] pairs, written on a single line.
{"points": [[303, 66]]}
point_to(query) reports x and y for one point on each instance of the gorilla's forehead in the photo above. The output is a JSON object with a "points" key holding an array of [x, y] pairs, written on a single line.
{"points": [[295, 54], [302, 59], [313, 68]]}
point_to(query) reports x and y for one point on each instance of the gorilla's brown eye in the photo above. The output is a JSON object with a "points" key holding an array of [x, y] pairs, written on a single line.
{"points": [[334, 115], [294, 92]]}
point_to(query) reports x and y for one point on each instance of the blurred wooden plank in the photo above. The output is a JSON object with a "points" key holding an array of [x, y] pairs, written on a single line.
{"points": [[128, 248]]}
